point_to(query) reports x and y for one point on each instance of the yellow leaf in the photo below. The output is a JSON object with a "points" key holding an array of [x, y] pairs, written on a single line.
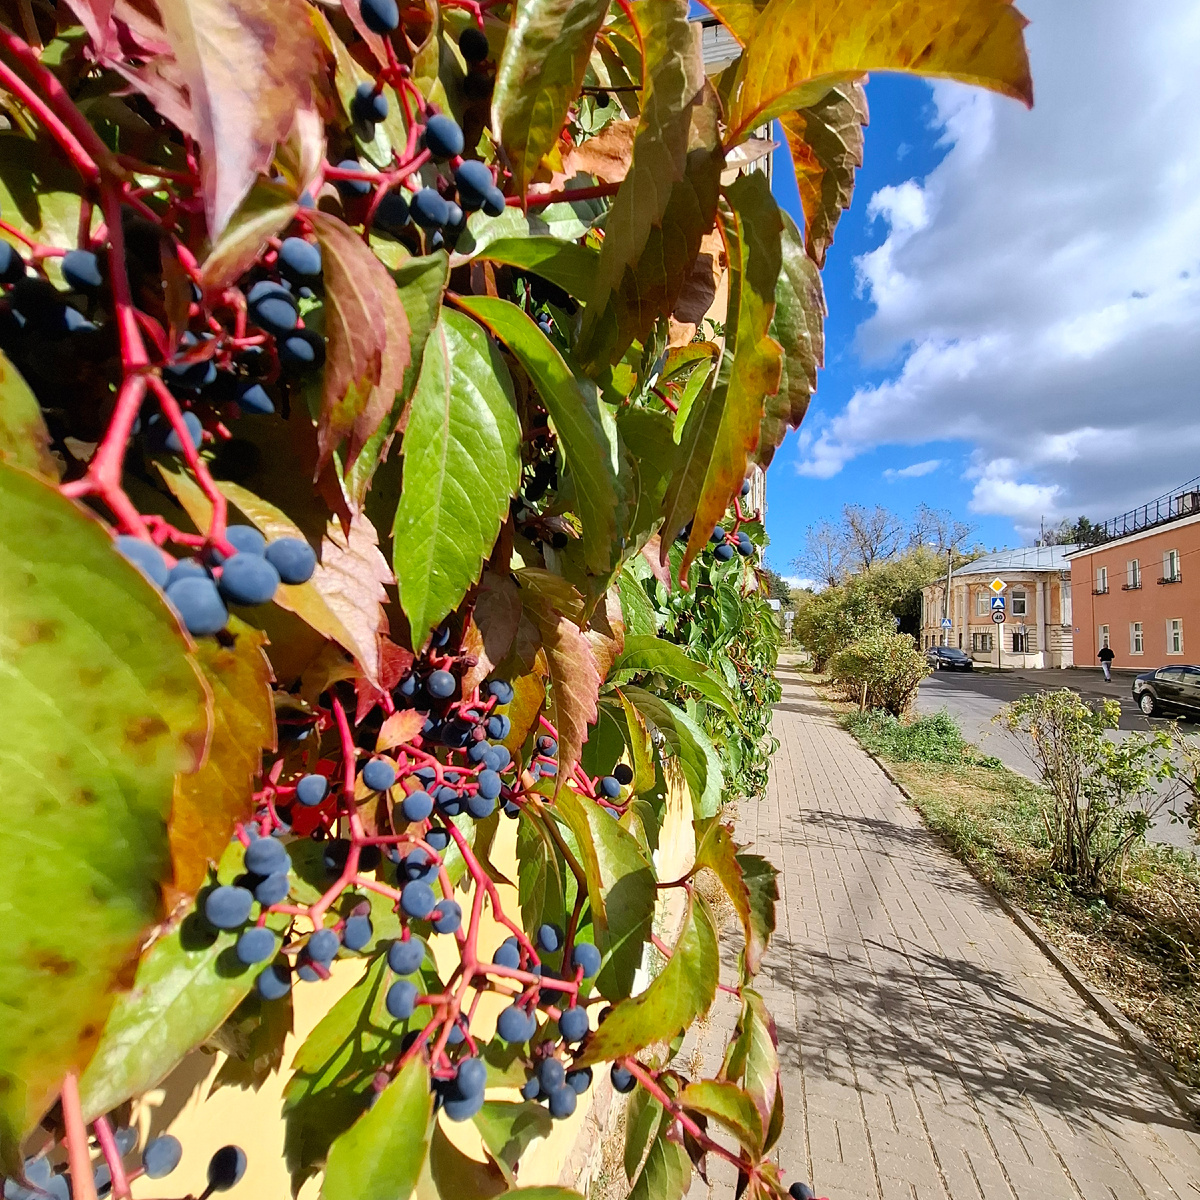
{"points": [[800, 48]]}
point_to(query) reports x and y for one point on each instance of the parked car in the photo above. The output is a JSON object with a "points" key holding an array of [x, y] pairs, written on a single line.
{"points": [[948, 658], [1169, 689]]}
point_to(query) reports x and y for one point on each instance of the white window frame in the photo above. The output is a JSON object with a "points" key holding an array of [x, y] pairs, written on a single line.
{"points": [[1020, 636], [1175, 635], [1137, 639], [1102, 637], [1133, 573], [1101, 580], [1065, 611], [982, 603], [1020, 597], [1171, 565]]}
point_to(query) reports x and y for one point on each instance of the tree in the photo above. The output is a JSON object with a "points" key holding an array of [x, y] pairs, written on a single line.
{"points": [[778, 588], [1074, 533], [940, 530], [341, 423], [825, 554], [872, 535]]}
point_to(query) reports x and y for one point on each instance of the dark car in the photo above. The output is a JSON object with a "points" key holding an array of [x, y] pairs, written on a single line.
{"points": [[1169, 689], [948, 658]]}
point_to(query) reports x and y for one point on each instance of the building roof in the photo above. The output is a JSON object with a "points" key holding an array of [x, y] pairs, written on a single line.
{"points": [[1023, 559]]}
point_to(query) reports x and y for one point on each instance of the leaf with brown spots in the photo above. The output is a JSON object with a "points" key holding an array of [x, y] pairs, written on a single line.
{"points": [[103, 705], [209, 803], [24, 438]]}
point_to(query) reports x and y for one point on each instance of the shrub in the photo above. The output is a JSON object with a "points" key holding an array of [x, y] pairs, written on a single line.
{"points": [[936, 738], [887, 665]]}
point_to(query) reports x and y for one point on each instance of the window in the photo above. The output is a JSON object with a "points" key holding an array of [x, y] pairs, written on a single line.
{"points": [[1133, 575], [1020, 641], [1175, 635], [1171, 567], [1101, 581], [1066, 616], [960, 641], [1103, 636], [1135, 638], [981, 642], [1019, 601], [982, 603]]}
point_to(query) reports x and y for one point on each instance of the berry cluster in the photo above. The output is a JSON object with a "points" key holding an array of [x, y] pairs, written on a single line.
{"points": [[727, 542]]}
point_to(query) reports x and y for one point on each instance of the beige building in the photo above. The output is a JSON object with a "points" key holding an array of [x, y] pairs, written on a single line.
{"points": [[1037, 607]]}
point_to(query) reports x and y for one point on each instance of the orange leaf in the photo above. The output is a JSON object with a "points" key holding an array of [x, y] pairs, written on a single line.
{"points": [[797, 49], [399, 728], [606, 156]]}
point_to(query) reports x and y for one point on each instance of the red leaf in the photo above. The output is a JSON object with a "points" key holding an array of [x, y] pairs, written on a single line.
{"points": [[368, 340], [399, 728]]}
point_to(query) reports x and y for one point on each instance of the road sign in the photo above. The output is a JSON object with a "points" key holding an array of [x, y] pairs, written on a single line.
{"points": [[947, 623], [997, 586], [998, 602], [998, 616]]}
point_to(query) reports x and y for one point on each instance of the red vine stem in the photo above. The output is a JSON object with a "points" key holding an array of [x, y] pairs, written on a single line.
{"points": [[112, 1156], [541, 199], [82, 1184], [58, 129]]}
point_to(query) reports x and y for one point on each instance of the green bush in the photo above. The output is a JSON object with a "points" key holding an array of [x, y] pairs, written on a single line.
{"points": [[887, 665], [936, 738]]}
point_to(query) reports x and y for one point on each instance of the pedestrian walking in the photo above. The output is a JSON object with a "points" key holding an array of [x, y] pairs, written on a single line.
{"points": [[1106, 656]]}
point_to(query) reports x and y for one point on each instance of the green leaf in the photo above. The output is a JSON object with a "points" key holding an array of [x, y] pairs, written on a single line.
{"points": [[508, 1128], [462, 464], [761, 880], [540, 889], [569, 265], [641, 748], [651, 654], [621, 890], [799, 327], [752, 1059], [186, 986], [727, 1104], [797, 49], [585, 428], [539, 76], [667, 1171], [380, 1156], [103, 705], [266, 211], [749, 881], [682, 992], [24, 438], [253, 1038], [653, 457], [544, 1193], [750, 368], [635, 606], [689, 743], [642, 1118], [449, 1174], [39, 193], [564, 221]]}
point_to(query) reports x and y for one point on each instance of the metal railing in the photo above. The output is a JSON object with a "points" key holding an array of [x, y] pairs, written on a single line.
{"points": [[1179, 502]]}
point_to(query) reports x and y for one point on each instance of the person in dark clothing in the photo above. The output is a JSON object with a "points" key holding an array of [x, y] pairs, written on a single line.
{"points": [[1106, 656]]}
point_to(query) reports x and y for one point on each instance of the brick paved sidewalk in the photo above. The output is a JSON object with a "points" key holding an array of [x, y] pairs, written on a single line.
{"points": [[929, 1049]]}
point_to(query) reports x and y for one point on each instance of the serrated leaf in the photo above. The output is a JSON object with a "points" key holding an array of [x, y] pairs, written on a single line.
{"points": [[462, 464], [722, 431], [755, 909], [210, 802], [799, 328], [585, 428], [826, 144], [399, 728], [667, 1171], [642, 1118], [247, 67], [621, 890], [103, 705], [367, 335], [635, 606], [497, 615], [760, 878], [569, 265], [187, 984], [539, 76], [565, 221], [797, 48], [507, 1129], [540, 890], [641, 748], [653, 654], [731, 1107], [752, 1059], [267, 210], [380, 1156], [253, 1038], [653, 457], [24, 438], [683, 991], [449, 1174]]}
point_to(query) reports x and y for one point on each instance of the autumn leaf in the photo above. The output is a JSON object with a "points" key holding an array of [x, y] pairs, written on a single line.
{"points": [[606, 156], [797, 49], [247, 66], [399, 728]]}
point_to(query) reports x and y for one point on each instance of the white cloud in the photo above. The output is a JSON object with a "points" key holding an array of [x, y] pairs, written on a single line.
{"points": [[800, 582], [1042, 285], [915, 471]]}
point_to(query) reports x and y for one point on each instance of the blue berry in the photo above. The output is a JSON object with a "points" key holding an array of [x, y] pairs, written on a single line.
{"points": [[245, 539], [723, 553], [443, 137], [311, 790], [440, 685], [228, 907], [428, 209], [494, 203], [623, 774], [717, 535], [508, 954], [498, 726], [248, 579], [358, 187], [266, 856], [226, 1168], [336, 853], [532, 1089], [745, 547], [275, 982], [550, 1074], [437, 839], [307, 972], [146, 556], [81, 270], [276, 314], [380, 16], [199, 605], [562, 1102], [419, 866], [253, 398], [301, 351], [745, 487], [586, 955], [622, 1080], [573, 1024], [393, 213], [188, 568], [293, 558], [462, 1108], [478, 751], [499, 758], [455, 218], [401, 999], [480, 806], [471, 1077], [300, 258], [406, 957], [125, 1136], [273, 889], [368, 106], [549, 937], [447, 917], [195, 432], [255, 945], [357, 932], [417, 899], [416, 806], [515, 1025], [502, 690], [379, 774], [473, 180], [323, 945], [579, 1080], [456, 1036], [547, 745], [610, 786], [12, 265], [161, 1155], [473, 44]]}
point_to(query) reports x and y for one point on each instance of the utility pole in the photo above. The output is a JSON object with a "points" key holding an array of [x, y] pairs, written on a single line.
{"points": [[946, 598]]}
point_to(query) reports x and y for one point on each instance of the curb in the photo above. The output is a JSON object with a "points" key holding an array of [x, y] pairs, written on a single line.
{"points": [[1133, 1038]]}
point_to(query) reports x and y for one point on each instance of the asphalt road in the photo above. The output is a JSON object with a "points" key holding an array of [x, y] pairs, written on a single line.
{"points": [[973, 698]]}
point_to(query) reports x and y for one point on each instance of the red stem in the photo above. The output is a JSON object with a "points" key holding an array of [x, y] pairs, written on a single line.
{"points": [[541, 199], [82, 1183], [112, 1156]]}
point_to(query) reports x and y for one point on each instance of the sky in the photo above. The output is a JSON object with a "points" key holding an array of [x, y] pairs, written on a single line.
{"points": [[1014, 295]]}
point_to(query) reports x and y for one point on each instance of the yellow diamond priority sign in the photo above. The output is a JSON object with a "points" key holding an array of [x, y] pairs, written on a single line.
{"points": [[998, 585]]}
